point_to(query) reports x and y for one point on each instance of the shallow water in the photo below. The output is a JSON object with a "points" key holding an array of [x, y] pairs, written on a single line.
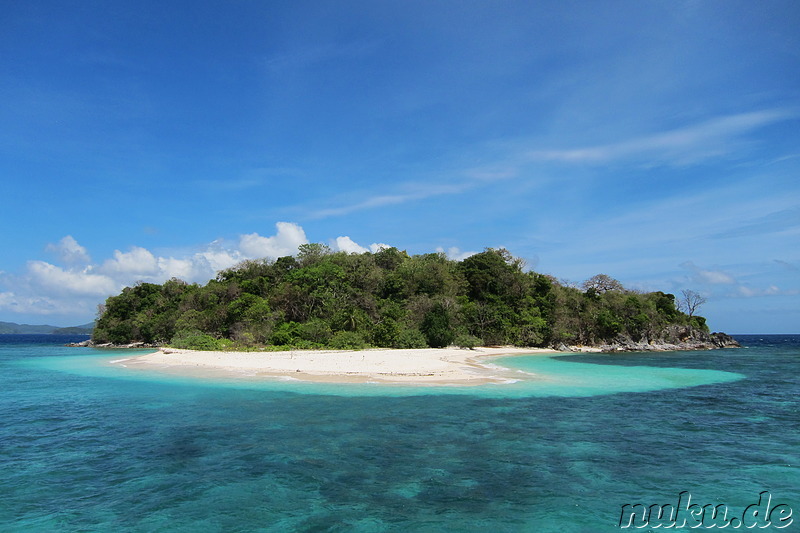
{"points": [[535, 375], [95, 447]]}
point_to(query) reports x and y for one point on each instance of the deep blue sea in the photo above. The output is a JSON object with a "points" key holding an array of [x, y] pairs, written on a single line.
{"points": [[86, 445]]}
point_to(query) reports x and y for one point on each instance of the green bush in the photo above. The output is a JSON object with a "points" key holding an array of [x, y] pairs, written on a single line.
{"points": [[286, 334], [194, 340], [315, 330], [699, 322], [346, 340], [386, 333], [411, 338], [467, 341]]}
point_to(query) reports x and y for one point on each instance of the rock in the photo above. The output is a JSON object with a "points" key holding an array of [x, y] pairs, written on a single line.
{"points": [[673, 338], [91, 343], [723, 340], [82, 344]]}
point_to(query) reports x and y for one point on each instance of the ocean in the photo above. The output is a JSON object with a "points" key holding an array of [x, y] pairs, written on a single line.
{"points": [[86, 445]]}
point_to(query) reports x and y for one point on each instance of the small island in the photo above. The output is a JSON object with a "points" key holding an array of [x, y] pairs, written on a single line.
{"points": [[287, 315]]}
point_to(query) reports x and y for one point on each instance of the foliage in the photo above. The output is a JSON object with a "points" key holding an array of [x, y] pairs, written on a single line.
{"points": [[391, 299], [195, 340], [437, 328], [602, 283], [411, 339], [467, 341], [347, 340]]}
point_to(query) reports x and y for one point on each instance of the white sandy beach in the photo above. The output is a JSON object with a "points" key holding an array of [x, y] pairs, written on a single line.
{"points": [[422, 366]]}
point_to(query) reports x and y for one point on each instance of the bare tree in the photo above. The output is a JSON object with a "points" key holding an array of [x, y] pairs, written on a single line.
{"points": [[564, 282], [602, 283], [690, 302]]}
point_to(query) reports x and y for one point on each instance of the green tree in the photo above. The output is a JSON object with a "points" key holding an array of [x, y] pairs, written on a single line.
{"points": [[436, 327]]}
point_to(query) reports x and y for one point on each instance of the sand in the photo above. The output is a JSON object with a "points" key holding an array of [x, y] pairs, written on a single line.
{"points": [[452, 366]]}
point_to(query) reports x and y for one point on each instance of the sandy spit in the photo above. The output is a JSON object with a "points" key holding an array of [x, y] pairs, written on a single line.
{"points": [[421, 366]]}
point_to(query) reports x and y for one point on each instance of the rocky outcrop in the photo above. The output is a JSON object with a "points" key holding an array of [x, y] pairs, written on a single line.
{"points": [[673, 338], [91, 344]]}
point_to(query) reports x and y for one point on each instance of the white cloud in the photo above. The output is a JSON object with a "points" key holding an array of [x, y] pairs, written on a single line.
{"points": [[749, 292], [177, 268], [40, 305], [216, 258], [139, 261], [718, 284], [715, 277], [346, 244], [710, 277], [69, 251], [74, 291], [455, 253], [285, 242], [63, 281]]}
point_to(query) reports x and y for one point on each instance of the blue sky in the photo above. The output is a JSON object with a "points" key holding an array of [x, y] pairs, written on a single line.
{"points": [[657, 142]]}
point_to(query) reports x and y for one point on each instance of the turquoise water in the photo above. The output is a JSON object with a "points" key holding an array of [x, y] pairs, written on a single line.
{"points": [[88, 446], [536, 376]]}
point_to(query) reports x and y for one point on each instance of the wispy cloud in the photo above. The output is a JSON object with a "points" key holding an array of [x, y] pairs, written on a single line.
{"points": [[421, 192], [682, 146], [749, 292], [787, 265], [231, 185], [250, 179], [692, 144], [311, 55], [778, 221], [747, 281]]}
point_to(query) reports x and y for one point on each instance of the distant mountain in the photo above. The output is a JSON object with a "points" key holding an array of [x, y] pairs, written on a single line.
{"points": [[85, 329], [7, 328], [11, 327]]}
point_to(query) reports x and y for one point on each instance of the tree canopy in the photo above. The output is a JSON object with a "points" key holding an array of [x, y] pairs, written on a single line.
{"points": [[388, 298]]}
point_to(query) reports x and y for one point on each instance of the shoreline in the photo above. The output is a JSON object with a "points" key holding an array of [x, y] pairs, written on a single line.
{"points": [[426, 366]]}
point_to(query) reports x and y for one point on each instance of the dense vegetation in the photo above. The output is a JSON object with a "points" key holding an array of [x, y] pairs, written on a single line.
{"points": [[335, 299]]}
